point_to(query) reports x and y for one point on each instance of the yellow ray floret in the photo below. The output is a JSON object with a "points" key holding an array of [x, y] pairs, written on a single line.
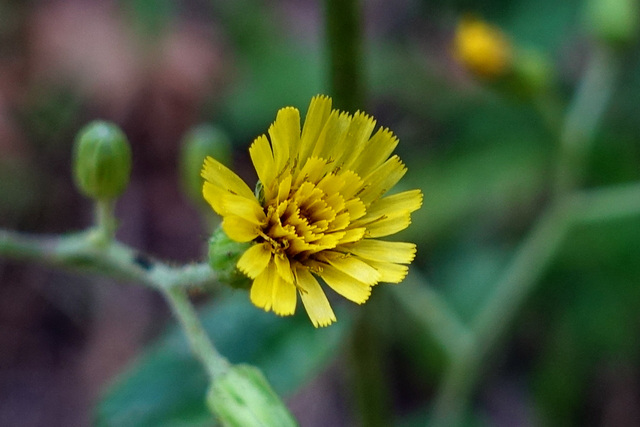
{"points": [[321, 209]]}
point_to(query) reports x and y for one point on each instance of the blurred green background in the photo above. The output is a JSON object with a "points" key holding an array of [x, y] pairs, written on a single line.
{"points": [[72, 354]]}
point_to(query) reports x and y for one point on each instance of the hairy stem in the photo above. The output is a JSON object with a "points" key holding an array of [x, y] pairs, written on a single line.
{"points": [[80, 252], [199, 341]]}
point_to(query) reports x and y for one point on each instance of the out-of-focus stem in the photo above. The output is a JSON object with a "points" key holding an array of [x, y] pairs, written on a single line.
{"points": [[606, 203], [433, 313], [105, 222], [517, 282], [368, 369], [344, 45], [583, 118], [538, 249]]}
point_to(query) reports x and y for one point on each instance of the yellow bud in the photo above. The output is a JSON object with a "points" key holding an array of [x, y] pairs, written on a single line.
{"points": [[197, 144], [242, 397], [102, 161], [481, 48]]}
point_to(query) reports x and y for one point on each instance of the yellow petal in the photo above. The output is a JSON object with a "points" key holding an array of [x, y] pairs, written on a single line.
{"points": [[406, 201], [285, 137], [382, 179], [317, 115], [352, 235], [379, 250], [214, 194], [255, 259], [239, 229], [218, 174], [386, 226], [377, 150], [262, 158], [389, 272], [284, 297], [330, 144], [314, 299], [284, 268], [312, 171], [354, 267], [356, 209], [353, 183], [358, 134], [261, 293], [347, 286], [247, 208], [284, 187]]}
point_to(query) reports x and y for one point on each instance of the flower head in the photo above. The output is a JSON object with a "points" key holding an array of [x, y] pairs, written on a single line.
{"points": [[318, 210], [482, 48]]}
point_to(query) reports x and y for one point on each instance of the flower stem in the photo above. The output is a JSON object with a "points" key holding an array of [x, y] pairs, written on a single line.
{"points": [[606, 203], [199, 341], [433, 313], [78, 252], [583, 118], [344, 44], [105, 222], [537, 250], [368, 368], [530, 262]]}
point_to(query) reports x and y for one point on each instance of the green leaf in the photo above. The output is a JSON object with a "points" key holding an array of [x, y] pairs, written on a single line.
{"points": [[166, 386]]}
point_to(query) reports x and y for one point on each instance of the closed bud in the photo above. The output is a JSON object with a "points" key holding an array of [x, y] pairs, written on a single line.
{"points": [[102, 161], [224, 254], [614, 21], [242, 397], [197, 144]]}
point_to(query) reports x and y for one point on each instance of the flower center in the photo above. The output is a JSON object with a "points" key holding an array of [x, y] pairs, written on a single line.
{"points": [[306, 220]]}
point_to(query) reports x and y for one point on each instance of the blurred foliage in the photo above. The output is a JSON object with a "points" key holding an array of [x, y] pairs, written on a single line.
{"points": [[165, 387]]}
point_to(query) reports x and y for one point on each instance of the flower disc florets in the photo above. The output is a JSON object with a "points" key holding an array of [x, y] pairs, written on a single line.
{"points": [[319, 211]]}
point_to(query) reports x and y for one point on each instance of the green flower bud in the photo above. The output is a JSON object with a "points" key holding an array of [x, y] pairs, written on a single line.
{"points": [[614, 21], [102, 161], [242, 397], [224, 254], [197, 144]]}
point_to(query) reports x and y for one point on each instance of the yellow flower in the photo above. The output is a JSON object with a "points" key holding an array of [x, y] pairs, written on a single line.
{"points": [[482, 48], [318, 210]]}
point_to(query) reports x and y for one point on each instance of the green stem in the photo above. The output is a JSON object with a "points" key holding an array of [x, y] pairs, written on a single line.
{"points": [[106, 222], [583, 118], [530, 262], [606, 203], [433, 313], [538, 249], [199, 341], [79, 252], [368, 368], [344, 45]]}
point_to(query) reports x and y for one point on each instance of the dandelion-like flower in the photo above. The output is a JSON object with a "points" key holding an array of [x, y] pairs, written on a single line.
{"points": [[318, 211]]}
